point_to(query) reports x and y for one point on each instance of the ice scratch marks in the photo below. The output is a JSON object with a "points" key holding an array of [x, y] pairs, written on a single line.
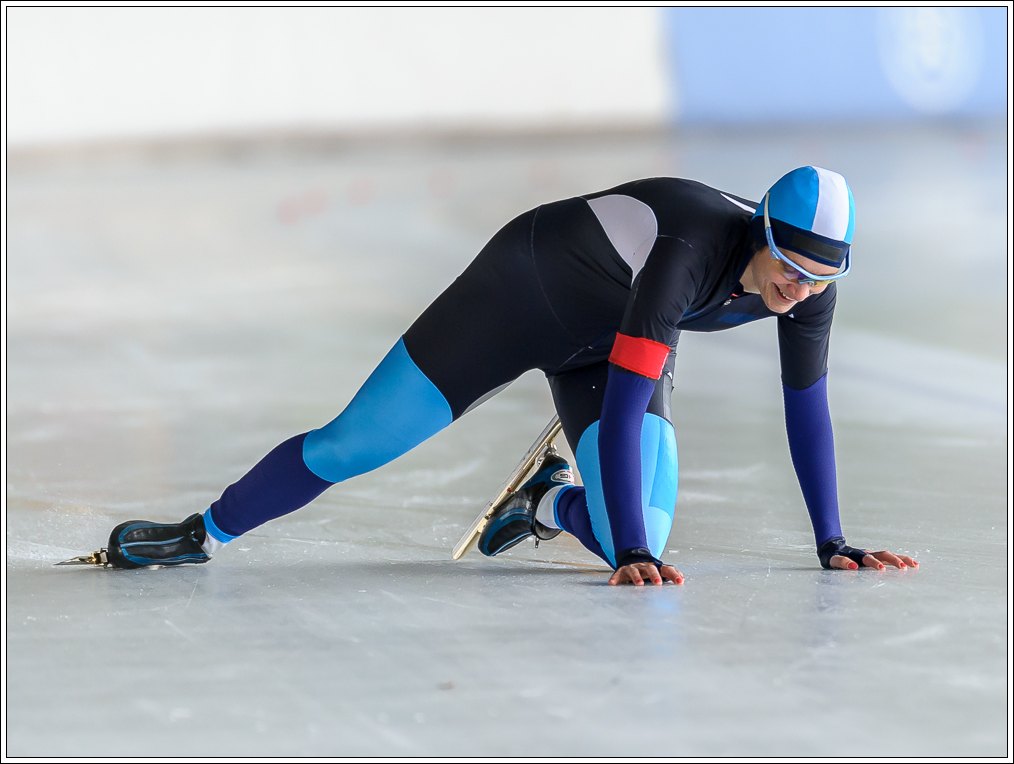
{"points": [[394, 597], [178, 630], [191, 597]]}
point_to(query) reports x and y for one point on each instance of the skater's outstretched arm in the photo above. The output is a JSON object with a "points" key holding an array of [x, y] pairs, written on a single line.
{"points": [[661, 294], [804, 338]]}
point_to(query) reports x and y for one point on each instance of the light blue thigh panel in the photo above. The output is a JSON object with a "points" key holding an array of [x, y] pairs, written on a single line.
{"points": [[659, 437], [658, 483], [396, 409]]}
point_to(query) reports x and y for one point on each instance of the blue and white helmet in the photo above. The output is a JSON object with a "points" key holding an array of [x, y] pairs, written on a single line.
{"points": [[812, 212]]}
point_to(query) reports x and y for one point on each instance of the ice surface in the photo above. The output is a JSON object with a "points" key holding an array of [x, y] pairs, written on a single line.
{"points": [[172, 318]]}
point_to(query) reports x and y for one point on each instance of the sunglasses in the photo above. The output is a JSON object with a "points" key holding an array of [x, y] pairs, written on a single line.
{"points": [[803, 276]]}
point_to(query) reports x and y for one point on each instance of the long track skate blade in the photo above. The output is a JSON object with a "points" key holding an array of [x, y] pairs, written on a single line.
{"points": [[95, 558], [513, 482]]}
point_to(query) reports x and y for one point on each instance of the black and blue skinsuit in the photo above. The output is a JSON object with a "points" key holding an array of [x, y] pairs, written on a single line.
{"points": [[594, 291]]}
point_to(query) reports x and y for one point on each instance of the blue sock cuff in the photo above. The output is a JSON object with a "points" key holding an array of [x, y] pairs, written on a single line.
{"points": [[214, 531]]}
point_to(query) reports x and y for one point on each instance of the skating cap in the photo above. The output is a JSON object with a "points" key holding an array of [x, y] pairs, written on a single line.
{"points": [[812, 212]]}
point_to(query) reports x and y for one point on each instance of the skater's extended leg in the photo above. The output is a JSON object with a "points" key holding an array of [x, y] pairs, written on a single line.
{"points": [[396, 409], [481, 333]]}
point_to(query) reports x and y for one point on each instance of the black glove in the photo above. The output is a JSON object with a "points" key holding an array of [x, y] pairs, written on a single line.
{"points": [[637, 554], [837, 545]]}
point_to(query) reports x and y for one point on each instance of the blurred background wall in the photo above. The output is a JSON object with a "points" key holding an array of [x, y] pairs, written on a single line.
{"points": [[97, 72], [104, 73], [817, 64]]}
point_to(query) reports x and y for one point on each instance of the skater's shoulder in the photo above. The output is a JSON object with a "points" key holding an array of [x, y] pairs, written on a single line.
{"points": [[671, 194], [653, 185]]}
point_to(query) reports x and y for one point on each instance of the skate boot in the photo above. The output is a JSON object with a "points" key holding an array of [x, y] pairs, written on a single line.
{"points": [[139, 543], [513, 519]]}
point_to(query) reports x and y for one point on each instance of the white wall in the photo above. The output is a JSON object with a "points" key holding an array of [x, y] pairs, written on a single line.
{"points": [[81, 73]]}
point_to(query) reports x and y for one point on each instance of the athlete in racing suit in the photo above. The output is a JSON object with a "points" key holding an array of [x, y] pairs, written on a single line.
{"points": [[594, 291]]}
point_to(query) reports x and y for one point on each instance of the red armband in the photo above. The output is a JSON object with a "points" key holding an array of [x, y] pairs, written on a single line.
{"points": [[641, 356]]}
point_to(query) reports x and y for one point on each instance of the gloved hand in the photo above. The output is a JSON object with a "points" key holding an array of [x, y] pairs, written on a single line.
{"points": [[835, 553], [640, 565]]}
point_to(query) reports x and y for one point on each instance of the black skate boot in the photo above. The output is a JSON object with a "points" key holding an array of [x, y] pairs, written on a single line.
{"points": [[514, 520], [139, 543]]}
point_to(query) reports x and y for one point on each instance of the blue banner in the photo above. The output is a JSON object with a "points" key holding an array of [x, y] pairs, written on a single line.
{"points": [[820, 64]]}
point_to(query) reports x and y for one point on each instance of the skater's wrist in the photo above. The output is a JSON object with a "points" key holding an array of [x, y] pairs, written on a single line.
{"points": [[637, 554], [837, 546]]}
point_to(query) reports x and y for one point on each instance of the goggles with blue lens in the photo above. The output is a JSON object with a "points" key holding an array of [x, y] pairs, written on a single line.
{"points": [[805, 278]]}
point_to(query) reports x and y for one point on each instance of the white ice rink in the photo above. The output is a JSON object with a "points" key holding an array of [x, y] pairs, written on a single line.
{"points": [[172, 316]]}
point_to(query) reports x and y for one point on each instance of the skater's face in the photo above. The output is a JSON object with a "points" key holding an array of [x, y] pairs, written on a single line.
{"points": [[780, 284]]}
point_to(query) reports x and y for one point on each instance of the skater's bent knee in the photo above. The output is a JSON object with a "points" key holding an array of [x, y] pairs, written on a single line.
{"points": [[396, 409]]}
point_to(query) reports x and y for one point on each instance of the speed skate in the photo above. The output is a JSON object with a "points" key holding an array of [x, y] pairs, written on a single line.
{"points": [[542, 447]]}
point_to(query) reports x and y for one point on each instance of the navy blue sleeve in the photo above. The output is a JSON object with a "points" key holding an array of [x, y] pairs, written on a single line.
{"points": [[811, 444], [625, 402]]}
